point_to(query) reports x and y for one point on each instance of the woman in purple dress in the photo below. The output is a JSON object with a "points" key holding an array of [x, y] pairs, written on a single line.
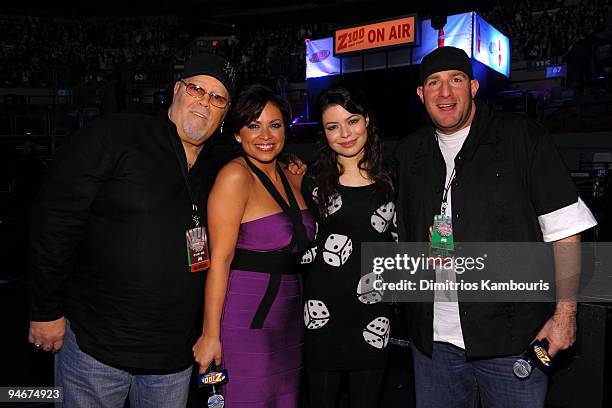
{"points": [[258, 226]]}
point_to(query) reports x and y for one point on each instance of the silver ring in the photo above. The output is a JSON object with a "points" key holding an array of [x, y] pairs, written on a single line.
{"points": [[37, 346]]}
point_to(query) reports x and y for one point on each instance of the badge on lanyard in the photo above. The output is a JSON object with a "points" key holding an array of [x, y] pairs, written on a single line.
{"points": [[198, 257], [197, 249], [442, 242]]}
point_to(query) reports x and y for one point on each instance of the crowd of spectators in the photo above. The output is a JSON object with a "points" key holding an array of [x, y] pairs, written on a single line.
{"points": [[39, 52], [44, 52], [278, 52], [547, 28]]}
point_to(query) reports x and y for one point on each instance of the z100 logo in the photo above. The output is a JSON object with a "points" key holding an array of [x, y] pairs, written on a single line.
{"points": [[213, 378], [319, 56], [542, 355], [349, 39], [376, 35]]}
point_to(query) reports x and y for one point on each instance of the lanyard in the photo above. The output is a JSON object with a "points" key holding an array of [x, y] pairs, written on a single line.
{"points": [[447, 188], [195, 213]]}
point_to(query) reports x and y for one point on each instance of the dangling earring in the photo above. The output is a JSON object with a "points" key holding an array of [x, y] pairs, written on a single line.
{"points": [[221, 128], [239, 139]]}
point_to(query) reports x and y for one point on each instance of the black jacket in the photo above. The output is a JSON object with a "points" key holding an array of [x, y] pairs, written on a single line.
{"points": [[108, 246], [508, 172]]}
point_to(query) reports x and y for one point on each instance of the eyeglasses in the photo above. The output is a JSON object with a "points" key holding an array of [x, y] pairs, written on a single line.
{"points": [[197, 92]]}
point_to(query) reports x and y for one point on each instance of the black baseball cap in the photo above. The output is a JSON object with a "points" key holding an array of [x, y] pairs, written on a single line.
{"points": [[214, 66], [445, 59]]}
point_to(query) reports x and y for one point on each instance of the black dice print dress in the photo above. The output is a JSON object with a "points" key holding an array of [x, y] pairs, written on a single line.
{"points": [[346, 323]]}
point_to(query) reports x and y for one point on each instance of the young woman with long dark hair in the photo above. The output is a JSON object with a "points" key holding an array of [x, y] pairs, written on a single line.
{"points": [[351, 193]]}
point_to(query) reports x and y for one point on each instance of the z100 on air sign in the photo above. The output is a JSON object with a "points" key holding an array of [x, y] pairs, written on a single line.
{"points": [[388, 33]]}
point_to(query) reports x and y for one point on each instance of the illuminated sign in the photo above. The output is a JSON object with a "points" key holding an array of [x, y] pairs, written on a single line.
{"points": [[399, 31], [556, 71], [320, 61], [457, 32], [491, 47], [467, 31], [470, 32]]}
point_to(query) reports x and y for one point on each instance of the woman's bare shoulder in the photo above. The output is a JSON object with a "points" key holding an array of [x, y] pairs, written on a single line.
{"points": [[235, 171]]}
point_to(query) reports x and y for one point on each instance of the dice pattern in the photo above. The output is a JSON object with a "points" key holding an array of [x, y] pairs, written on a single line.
{"points": [[335, 204], [381, 218], [365, 289], [316, 314], [376, 333], [394, 234], [337, 249], [315, 194], [309, 256]]}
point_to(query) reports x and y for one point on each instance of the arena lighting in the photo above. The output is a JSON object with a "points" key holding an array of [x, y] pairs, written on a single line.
{"points": [[480, 40]]}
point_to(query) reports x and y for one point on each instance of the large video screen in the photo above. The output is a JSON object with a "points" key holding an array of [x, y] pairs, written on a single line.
{"points": [[457, 32], [491, 47], [320, 60]]}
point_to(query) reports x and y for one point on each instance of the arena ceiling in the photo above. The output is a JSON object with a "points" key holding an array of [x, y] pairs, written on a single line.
{"points": [[237, 9]]}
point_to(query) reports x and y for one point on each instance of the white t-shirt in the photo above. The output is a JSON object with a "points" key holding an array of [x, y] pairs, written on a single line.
{"points": [[446, 322], [556, 225]]}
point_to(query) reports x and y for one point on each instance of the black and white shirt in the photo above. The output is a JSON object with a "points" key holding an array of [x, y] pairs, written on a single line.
{"points": [[347, 325]]}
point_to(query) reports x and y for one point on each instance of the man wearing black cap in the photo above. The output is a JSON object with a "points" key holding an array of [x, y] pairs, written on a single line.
{"points": [[493, 177], [112, 290]]}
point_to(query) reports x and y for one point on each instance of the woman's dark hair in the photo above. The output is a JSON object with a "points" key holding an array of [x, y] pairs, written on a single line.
{"points": [[251, 102], [327, 168]]}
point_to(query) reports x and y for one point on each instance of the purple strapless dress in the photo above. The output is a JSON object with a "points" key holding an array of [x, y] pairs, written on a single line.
{"points": [[264, 365]]}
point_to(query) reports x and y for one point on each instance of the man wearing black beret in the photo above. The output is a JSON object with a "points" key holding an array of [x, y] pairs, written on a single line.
{"points": [[492, 177], [112, 290]]}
